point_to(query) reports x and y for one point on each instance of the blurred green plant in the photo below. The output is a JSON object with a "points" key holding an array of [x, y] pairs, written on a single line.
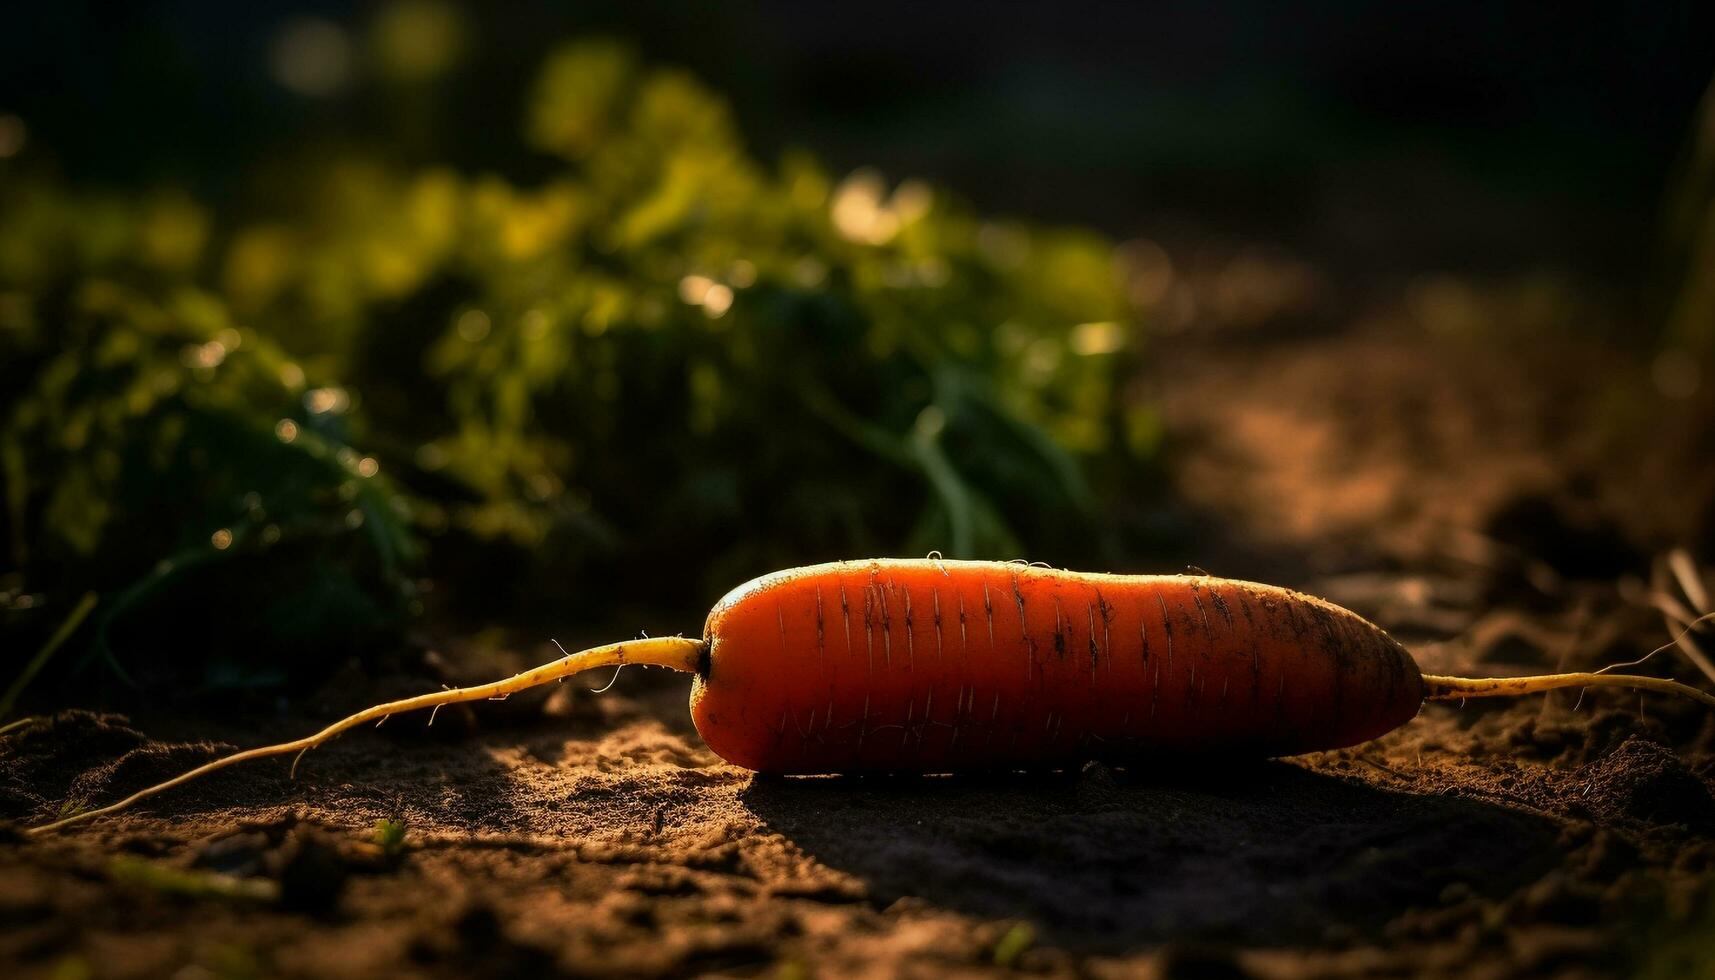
{"points": [[1689, 237], [173, 463], [1013, 944], [154, 876], [389, 837], [664, 355]]}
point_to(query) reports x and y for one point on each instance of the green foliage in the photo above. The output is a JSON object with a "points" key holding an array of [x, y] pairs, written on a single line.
{"points": [[762, 364], [175, 463], [665, 354]]}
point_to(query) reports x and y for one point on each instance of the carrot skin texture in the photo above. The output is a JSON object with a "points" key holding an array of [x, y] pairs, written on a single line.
{"points": [[944, 666]]}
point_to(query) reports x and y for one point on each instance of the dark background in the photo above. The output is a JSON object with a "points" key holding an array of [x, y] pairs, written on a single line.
{"points": [[1464, 136]]}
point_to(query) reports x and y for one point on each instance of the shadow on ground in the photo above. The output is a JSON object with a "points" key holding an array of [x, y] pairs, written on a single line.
{"points": [[1104, 862]]}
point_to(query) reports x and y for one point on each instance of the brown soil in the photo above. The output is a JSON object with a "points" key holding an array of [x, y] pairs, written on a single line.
{"points": [[1484, 504]]}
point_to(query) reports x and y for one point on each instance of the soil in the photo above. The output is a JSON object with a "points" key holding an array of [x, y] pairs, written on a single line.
{"points": [[1485, 502]]}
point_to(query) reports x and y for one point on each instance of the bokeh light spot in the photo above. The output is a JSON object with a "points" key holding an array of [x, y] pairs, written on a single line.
{"points": [[717, 300], [312, 56], [692, 289], [327, 401], [1103, 337], [473, 325], [416, 40]]}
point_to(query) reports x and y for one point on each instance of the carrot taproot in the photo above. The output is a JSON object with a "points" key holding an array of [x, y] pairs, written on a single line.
{"points": [[944, 666], [940, 666]]}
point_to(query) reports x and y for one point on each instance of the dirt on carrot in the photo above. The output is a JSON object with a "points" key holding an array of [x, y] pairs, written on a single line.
{"points": [[565, 833]]}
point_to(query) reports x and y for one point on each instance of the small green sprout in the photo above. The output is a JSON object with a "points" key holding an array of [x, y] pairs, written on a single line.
{"points": [[138, 872], [390, 836], [1014, 944]]}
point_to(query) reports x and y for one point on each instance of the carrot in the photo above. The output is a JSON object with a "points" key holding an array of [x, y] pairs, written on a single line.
{"points": [[946, 666]]}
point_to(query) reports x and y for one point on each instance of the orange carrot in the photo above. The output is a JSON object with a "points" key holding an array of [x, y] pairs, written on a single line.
{"points": [[945, 666], [928, 666]]}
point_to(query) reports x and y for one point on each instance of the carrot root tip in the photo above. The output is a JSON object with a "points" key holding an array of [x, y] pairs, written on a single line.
{"points": [[1439, 688]]}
